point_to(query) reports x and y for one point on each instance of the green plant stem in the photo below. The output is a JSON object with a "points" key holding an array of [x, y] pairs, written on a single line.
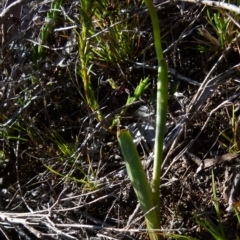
{"points": [[156, 30], [162, 96], [133, 164], [162, 100]]}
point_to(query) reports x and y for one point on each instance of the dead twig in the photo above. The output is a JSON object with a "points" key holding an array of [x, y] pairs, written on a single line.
{"points": [[223, 5], [10, 8]]}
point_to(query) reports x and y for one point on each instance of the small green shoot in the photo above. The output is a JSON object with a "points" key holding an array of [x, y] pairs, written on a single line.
{"points": [[140, 89], [232, 138], [216, 231], [65, 153], [223, 33], [223, 26], [50, 21], [89, 185], [220, 23]]}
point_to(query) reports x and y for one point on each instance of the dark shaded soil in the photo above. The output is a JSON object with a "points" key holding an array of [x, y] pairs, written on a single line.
{"points": [[62, 175]]}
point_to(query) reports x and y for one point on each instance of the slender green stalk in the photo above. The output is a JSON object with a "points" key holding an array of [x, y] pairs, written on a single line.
{"points": [[162, 96], [162, 100], [156, 30], [133, 163]]}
